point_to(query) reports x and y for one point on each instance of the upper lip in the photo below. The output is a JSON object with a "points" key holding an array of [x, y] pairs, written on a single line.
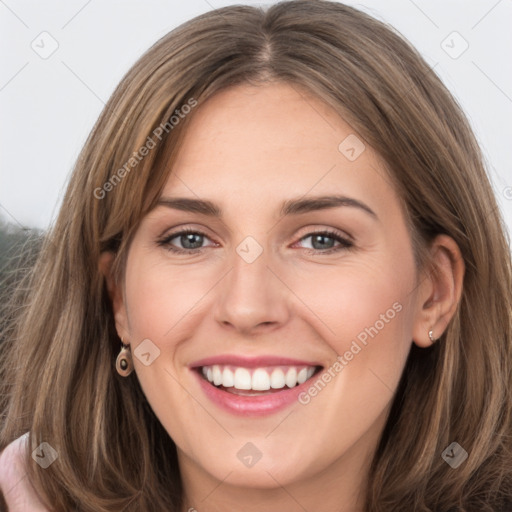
{"points": [[252, 362]]}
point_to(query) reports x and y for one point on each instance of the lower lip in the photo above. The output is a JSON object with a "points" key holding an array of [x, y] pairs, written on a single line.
{"points": [[252, 405]]}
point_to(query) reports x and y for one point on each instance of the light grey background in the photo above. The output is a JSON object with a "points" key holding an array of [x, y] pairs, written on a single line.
{"points": [[49, 103]]}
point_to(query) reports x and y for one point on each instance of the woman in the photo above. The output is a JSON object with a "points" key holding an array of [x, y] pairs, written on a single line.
{"points": [[279, 280]]}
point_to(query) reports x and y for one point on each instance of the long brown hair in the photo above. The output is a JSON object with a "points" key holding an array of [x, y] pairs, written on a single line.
{"points": [[59, 381]]}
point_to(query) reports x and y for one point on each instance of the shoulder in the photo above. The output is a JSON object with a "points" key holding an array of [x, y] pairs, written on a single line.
{"points": [[16, 489]]}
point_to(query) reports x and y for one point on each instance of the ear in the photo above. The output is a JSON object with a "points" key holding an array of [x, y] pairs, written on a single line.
{"points": [[440, 290], [116, 295]]}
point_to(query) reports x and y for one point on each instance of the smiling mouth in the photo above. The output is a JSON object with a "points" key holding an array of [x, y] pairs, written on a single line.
{"points": [[266, 380]]}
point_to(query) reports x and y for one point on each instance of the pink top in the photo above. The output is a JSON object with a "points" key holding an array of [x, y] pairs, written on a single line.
{"points": [[17, 490]]}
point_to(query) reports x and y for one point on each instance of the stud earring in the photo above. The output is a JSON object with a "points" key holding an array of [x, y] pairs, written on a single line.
{"points": [[124, 362], [431, 336]]}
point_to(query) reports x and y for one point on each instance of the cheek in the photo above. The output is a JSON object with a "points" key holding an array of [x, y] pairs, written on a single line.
{"points": [[356, 299], [363, 312], [160, 296], [161, 301]]}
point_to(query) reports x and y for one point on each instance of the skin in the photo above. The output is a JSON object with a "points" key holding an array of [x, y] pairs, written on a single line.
{"points": [[248, 149]]}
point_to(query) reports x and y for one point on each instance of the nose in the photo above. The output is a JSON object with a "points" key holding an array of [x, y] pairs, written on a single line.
{"points": [[251, 298]]}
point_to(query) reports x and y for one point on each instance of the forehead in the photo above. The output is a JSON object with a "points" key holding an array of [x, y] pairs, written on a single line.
{"points": [[273, 141]]}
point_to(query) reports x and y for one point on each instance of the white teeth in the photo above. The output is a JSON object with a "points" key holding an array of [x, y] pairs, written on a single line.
{"points": [[260, 380], [242, 379], [228, 379], [302, 376], [277, 379], [291, 377], [257, 379], [217, 375]]}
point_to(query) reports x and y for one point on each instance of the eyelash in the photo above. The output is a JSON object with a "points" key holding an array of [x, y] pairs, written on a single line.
{"points": [[345, 244]]}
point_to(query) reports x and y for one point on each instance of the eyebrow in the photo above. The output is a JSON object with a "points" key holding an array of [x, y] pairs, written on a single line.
{"points": [[289, 207]]}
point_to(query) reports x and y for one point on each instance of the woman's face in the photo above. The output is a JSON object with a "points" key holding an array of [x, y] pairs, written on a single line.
{"points": [[297, 264]]}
